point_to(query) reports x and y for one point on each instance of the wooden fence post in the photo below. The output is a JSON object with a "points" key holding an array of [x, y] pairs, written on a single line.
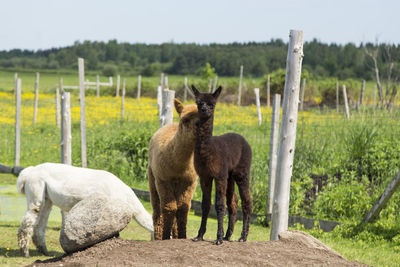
{"points": [[185, 89], [215, 83], [36, 98], [337, 96], [374, 96], [17, 154], [167, 110], [257, 93], [139, 86], [118, 82], [210, 85], [97, 85], [165, 82], [58, 106], [123, 101], [303, 87], [273, 151], [81, 68], [240, 85], [346, 103], [268, 91], [362, 93], [382, 200], [280, 211], [15, 82], [162, 80], [66, 137]]}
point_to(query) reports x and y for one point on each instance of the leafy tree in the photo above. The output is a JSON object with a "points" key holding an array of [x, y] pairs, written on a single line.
{"points": [[207, 72]]}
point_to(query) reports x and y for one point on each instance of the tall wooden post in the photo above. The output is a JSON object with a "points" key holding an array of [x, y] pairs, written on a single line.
{"points": [[17, 154], [215, 83], [97, 85], [210, 85], [66, 137], [15, 82], [273, 151], [280, 211], [36, 98], [81, 67], [303, 87], [374, 100], [185, 89], [268, 90], [167, 111], [165, 82], [240, 85], [346, 103], [159, 100], [257, 93], [123, 101], [139, 86], [362, 93], [337, 96], [162, 80], [58, 106], [118, 82]]}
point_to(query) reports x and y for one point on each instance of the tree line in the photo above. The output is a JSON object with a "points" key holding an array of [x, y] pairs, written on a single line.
{"points": [[258, 58]]}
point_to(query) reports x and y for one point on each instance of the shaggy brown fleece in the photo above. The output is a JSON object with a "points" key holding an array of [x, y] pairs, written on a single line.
{"points": [[172, 177]]}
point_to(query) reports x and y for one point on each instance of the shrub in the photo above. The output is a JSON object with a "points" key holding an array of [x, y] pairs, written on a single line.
{"points": [[110, 69]]}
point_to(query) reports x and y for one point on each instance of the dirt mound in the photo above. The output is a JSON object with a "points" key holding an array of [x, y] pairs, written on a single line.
{"points": [[293, 249]]}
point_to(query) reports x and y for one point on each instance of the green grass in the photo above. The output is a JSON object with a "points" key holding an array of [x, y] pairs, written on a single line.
{"points": [[375, 254]]}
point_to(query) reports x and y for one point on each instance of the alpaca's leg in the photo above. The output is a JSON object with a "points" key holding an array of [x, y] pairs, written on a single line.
{"points": [[220, 193], [206, 188], [174, 230], [34, 198], [39, 236], [184, 201], [168, 207], [231, 202], [155, 203], [25, 231], [244, 191]]}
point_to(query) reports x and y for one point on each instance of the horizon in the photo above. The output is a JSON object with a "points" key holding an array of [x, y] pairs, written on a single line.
{"points": [[49, 24], [183, 43]]}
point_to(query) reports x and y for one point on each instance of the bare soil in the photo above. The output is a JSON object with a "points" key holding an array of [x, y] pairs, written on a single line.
{"points": [[293, 249]]}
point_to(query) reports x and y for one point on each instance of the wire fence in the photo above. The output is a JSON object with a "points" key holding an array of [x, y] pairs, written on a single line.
{"points": [[341, 166]]}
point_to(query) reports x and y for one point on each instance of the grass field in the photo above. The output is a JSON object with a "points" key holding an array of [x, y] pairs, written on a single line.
{"points": [[378, 253], [364, 152]]}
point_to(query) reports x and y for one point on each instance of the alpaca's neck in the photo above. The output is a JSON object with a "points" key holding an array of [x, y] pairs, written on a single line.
{"points": [[183, 144], [204, 129]]}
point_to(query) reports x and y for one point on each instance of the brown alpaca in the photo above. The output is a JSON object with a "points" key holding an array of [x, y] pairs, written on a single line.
{"points": [[227, 159], [172, 178]]}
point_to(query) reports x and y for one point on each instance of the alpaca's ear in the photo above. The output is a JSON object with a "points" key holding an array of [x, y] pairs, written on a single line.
{"points": [[217, 92], [178, 106], [195, 91]]}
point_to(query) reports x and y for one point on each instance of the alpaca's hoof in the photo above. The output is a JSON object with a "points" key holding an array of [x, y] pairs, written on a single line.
{"points": [[25, 252], [218, 242], [242, 239], [43, 250], [196, 239]]}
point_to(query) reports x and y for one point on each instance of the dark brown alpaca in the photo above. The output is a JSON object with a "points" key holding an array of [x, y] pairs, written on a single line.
{"points": [[227, 159]]}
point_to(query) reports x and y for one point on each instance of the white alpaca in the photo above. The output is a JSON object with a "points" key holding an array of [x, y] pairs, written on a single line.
{"points": [[62, 185]]}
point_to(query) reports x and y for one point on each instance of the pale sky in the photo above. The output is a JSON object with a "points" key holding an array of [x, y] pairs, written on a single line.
{"points": [[43, 24]]}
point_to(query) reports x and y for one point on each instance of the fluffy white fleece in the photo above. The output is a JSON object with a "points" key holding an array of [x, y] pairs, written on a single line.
{"points": [[63, 185]]}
